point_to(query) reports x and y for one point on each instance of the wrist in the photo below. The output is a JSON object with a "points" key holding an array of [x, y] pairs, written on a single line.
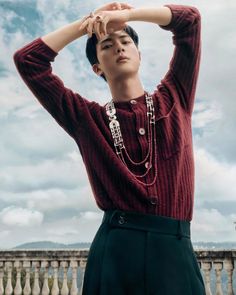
{"points": [[130, 13], [125, 14]]}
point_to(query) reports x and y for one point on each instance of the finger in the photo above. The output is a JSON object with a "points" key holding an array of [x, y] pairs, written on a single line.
{"points": [[101, 29], [90, 27], [97, 29], [83, 24], [104, 26]]}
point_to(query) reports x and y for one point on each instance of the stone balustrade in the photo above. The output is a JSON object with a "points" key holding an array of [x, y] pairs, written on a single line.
{"points": [[217, 267], [40, 269], [61, 271]]}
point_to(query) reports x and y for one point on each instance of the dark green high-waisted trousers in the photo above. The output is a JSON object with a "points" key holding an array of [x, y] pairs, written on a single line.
{"points": [[142, 254]]}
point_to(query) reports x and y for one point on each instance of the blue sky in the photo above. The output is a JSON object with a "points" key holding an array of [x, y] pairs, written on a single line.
{"points": [[44, 189]]}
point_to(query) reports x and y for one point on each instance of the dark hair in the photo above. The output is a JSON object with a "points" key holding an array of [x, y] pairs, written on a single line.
{"points": [[91, 51]]}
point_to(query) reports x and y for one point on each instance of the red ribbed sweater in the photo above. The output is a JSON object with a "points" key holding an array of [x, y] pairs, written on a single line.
{"points": [[86, 121]]}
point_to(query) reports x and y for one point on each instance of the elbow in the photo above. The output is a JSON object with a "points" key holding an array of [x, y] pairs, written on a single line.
{"points": [[183, 18], [17, 58], [195, 13], [192, 18]]}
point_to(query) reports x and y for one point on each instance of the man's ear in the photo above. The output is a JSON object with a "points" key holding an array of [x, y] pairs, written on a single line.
{"points": [[97, 69], [139, 52]]}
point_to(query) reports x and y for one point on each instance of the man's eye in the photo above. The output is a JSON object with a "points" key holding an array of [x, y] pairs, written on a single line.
{"points": [[106, 46]]}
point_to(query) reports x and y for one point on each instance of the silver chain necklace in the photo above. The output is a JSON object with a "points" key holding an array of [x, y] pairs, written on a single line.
{"points": [[119, 145]]}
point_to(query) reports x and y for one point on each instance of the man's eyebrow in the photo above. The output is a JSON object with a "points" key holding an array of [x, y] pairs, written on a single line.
{"points": [[110, 39]]}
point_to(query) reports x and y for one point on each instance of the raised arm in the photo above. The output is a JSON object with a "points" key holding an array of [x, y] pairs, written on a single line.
{"points": [[33, 62], [181, 78], [185, 24]]}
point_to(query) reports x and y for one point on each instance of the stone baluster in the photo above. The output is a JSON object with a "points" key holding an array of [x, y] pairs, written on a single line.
{"points": [[55, 288], [229, 267], [64, 289], [36, 287], [9, 288], [27, 287], [1, 278], [218, 265], [45, 288], [83, 263], [18, 288], [74, 267], [206, 267]]}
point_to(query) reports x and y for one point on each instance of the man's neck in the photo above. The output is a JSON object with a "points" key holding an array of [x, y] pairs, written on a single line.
{"points": [[125, 90]]}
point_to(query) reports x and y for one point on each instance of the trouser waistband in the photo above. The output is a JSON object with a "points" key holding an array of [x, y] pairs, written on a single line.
{"points": [[148, 222]]}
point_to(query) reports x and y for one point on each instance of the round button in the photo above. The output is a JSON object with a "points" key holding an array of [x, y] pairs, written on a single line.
{"points": [[147, 164], [142, 131], [153, 200], [121, 220], [133, 101]]}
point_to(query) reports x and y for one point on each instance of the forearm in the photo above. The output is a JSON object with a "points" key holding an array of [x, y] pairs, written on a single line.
{"points": [[59, 38], [158, 15]]}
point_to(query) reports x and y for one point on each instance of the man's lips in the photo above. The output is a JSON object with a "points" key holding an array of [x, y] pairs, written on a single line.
{"points": [[121, 58]]}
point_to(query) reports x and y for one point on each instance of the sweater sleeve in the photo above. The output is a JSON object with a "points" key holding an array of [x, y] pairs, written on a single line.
{"points": [[33, 62], [181, 78]]}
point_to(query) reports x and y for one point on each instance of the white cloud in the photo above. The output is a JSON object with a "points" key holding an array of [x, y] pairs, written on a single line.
{"points": [[62, 232], [47, 174], [80, 228], [4, 234], [55, 199], [209, 225], [205, 113], [70, 230], [15, 216], [91, 215], [214, 180]]}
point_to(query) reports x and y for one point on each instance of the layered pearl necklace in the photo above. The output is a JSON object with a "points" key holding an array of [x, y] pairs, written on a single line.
{"points": [[114, 126]]}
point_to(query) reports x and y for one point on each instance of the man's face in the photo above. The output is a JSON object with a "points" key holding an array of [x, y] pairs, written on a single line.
{"points": [[109, 48]]}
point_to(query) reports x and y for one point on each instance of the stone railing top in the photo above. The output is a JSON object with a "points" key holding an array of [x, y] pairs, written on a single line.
{"points": [[76, 254], [49, 254], [215, 253]]}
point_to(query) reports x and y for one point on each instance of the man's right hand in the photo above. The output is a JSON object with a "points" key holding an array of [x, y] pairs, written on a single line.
{"points": [[88, 22]]}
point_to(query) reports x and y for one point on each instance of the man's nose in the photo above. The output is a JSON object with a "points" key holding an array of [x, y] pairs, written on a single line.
{"points": [[119, 47]]}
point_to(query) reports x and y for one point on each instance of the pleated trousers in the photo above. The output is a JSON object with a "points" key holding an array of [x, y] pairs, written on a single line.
{"points": [[142, 254]]}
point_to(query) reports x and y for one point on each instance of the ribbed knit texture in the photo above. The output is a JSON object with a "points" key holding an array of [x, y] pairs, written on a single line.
{"points": [[86, 122]]}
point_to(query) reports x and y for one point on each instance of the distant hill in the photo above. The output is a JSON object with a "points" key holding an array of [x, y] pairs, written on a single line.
{"points": [[52, 245], [85, 245]]}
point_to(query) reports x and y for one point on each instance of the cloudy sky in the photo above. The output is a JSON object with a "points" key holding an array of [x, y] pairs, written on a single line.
{"points": [[44, 189]]}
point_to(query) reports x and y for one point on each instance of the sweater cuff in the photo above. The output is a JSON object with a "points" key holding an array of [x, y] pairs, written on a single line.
{"points": [[183, 17], [49, 51], [176, 11]]}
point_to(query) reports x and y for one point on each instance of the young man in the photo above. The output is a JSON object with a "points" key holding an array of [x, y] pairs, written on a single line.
{"points": [[137, 149]]}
